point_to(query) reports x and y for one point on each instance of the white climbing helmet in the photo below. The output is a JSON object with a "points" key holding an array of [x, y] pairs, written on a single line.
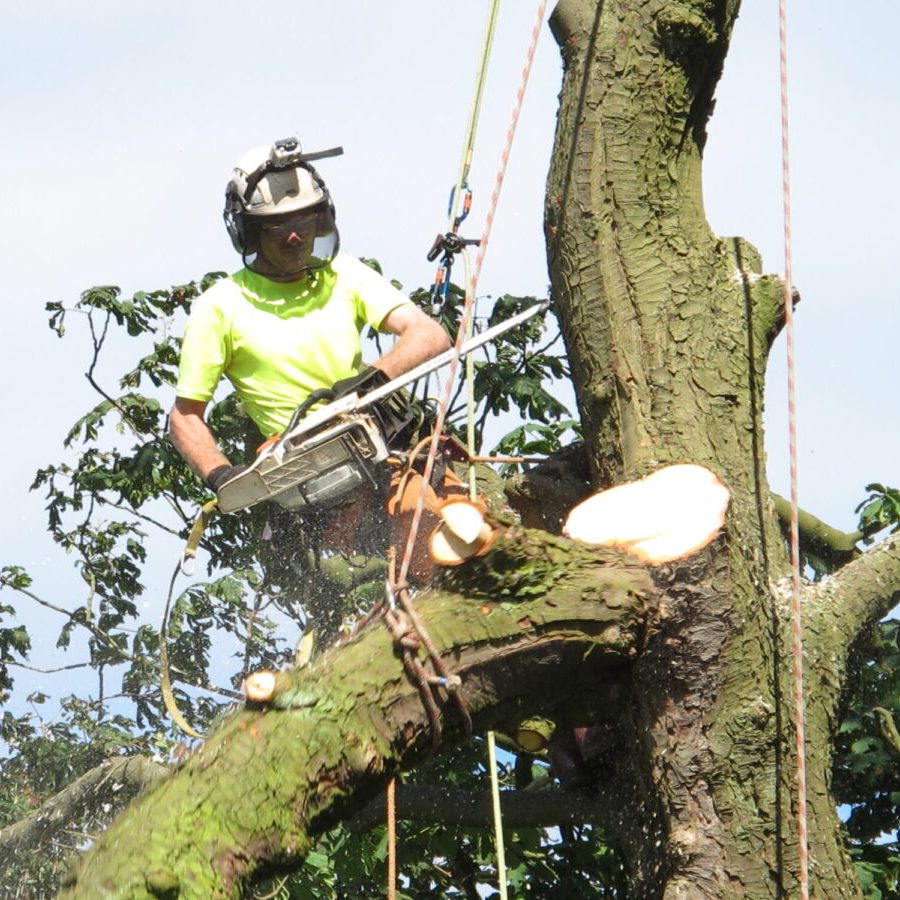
{"points": [[272, 180]]}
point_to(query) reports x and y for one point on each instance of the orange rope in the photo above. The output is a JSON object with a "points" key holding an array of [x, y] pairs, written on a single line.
{"points": [[796, 608], [391, 839], [400, 581], [471, 287]]}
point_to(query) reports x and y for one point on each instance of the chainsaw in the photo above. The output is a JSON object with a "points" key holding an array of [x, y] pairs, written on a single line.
{"points": [[325, 454]]}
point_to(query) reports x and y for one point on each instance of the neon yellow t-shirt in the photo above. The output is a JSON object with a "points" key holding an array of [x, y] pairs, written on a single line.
{"points": [[277, 343]]}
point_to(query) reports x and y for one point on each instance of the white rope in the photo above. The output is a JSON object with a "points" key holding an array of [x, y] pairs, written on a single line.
{"points": [[796, 607]]}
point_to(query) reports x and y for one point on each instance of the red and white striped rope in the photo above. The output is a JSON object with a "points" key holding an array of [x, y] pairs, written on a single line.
{"points": [[796, 607], [471, 287]]}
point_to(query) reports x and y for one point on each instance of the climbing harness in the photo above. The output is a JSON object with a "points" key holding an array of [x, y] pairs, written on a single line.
{"points": [[796, 607]]}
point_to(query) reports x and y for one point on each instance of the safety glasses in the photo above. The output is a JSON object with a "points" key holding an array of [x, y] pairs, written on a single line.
{"points": [[303, 223]]}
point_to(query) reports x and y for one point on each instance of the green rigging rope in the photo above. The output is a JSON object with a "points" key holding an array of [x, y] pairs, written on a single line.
{"points": [[474, 111], [498, 822], [452, 225]]}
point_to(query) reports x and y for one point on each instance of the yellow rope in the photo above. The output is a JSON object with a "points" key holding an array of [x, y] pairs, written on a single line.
{"points": [[498, 821], [165, 678]]}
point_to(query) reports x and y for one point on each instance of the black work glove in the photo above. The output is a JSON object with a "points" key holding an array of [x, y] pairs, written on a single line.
{"points": [[221, 474], [361, 383]]}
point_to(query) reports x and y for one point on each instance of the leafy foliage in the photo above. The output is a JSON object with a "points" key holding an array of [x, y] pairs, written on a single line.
{"points": [[122, 486], [867, 765], [866, 760], [514, 374], [880, 510], [119, 499]]}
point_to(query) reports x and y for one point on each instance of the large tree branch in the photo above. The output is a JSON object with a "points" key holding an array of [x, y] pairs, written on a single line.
{"points": [[834, 546], [116, 779], [522, 626], [570, 18], [844, 606]]}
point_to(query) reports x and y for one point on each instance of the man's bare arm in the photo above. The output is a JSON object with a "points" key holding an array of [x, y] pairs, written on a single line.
{"points": [[192, 438], [419, 338]]}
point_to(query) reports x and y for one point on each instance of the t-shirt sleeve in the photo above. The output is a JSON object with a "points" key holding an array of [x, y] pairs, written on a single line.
{"points": [[376, 296], [205, 349]]}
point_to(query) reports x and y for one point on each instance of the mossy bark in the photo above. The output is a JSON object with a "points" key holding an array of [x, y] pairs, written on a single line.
{"points": [[252, 798], [668, 329]]}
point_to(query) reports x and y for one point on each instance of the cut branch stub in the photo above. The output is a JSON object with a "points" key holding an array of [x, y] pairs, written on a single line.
{"points": [[259, 687], [669, 514], [463, 533]]}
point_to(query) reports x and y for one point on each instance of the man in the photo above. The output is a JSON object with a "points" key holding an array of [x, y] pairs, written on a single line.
{"points": [[290, 321]]}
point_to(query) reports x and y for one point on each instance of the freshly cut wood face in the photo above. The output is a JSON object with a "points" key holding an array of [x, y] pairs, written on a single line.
{"points": [[260, 686], [665, 516], [464, 519], [462, 534]]}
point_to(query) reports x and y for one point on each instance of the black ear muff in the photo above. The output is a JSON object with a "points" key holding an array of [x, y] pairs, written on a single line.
{"points": [[244, 235], [234, 221]]}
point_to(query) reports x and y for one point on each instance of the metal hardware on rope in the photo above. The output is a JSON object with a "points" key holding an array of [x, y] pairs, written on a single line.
{"points": [[450, 244], [457, 220], [461, 191], [796, 608], [471, 286]]}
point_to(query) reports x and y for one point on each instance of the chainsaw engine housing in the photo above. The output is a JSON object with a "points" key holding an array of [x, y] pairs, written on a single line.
{"points": [[317, 468]]}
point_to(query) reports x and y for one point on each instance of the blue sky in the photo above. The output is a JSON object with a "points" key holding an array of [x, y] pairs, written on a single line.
{"points": [[122, 122]]}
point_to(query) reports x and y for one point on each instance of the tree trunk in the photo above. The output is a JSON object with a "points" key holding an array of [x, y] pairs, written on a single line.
{"points": [[686, 665], [668, 329]]}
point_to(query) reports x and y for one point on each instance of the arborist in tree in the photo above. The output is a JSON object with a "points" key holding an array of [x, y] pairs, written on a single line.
{"points": [[290, 322]]}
